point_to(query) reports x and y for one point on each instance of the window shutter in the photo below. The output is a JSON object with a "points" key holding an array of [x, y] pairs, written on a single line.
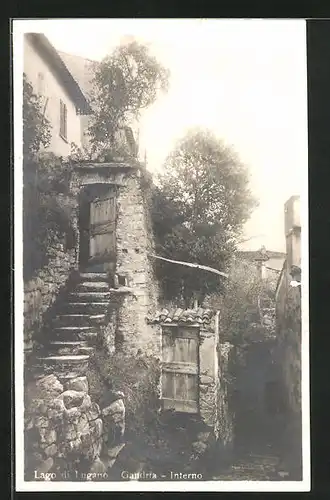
{"points": [[63, 120]]}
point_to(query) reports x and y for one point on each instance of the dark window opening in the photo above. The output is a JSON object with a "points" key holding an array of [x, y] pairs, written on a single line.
{"points": [[63, 120], [121, 280]]}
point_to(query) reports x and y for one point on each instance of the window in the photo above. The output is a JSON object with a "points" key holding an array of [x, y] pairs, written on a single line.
{"points": [[63, 120]]}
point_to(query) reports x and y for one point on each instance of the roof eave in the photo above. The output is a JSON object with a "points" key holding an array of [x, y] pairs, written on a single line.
{"points": [[46, 49]]}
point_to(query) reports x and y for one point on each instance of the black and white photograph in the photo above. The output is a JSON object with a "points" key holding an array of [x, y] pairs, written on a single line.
{"points": [[161, 255]]}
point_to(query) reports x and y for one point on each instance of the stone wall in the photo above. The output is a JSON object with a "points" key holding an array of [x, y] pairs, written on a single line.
{"points": [[288, 327], [41, 291], [224, 421], [67, 435], [288, 308], [208, 375], [288, 359], [134, 243], [137, 289], [289, 335]]}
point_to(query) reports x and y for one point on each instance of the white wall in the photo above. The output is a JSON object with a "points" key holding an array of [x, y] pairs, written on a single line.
{"points": [[54, 91], [275, 262]]}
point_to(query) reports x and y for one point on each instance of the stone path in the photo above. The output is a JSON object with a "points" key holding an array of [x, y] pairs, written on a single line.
{"points": [[254, 467]]}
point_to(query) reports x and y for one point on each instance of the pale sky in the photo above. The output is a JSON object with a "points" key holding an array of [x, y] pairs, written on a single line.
{"points": [[244, 79]]}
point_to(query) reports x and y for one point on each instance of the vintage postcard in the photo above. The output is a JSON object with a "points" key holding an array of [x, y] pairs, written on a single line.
{"points": [[161, 255]]}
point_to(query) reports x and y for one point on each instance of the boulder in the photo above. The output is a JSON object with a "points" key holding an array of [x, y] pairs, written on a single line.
{"points": [[73, 399], [45, 466], [47, 436], [82, 425], [116, 408], [69, 432], [98, 467], [96, 427], [79, 384], [48, 387], [72, 415], [93, 411], [87, 403], [51, 450]]}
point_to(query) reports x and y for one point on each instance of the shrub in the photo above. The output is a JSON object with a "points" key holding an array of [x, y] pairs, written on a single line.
{"points": [[48, 209], [137, 377]]}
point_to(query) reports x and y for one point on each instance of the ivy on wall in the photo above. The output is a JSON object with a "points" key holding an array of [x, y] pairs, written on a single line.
{"points": [[48, 205]]}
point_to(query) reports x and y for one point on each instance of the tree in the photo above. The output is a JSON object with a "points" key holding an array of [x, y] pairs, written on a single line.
{"points": [[199, 209], [47, 203], [125, 83], [36, 127]]}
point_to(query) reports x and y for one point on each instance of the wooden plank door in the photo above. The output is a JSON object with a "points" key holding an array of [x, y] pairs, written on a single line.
{"points": [[102, 230], [180, 369]]}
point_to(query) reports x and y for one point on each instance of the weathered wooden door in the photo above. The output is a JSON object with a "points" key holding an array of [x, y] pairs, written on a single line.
{"points": [[102, 229], [180, 369]]}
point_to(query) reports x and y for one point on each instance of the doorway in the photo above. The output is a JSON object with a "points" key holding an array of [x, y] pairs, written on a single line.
{"points": [[97, 224]]}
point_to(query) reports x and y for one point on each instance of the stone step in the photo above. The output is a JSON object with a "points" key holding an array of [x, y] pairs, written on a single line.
{"points": [[78, 319], [86, 350], [89, 296], [74, 333], [85, 307], [66, 375], [68, 350], [64, 364], [94, 276], [67, 347], [65, 359], [92, 286]]}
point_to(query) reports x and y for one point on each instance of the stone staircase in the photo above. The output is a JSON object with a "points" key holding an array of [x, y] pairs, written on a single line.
{"points": [[73, 329]]}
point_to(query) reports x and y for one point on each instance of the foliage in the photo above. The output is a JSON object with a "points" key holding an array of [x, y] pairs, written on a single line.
{"points": [[126, 82], [199, 209], [97, 152], [48, 208], [137, 377], [240, 320], [47, 203], [36, 127]]}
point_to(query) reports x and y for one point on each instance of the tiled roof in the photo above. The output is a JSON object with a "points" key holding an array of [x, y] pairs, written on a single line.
{"points": [[185, 316], [81, 69], [256, 255]]}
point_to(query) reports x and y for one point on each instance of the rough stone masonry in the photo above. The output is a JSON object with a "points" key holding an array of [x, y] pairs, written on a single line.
{"points": [[66, 434], [137, 292]]}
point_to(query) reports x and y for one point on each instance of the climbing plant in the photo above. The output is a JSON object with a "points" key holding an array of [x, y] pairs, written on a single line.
{"points": [[36, 127], [48, 210]]}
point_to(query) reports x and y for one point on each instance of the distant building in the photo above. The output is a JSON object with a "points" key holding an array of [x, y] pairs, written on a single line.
{"points": [[269, 262], [63, 99]]}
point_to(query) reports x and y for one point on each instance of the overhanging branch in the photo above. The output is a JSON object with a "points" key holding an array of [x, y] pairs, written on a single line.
{"points": [[189, 264]]}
